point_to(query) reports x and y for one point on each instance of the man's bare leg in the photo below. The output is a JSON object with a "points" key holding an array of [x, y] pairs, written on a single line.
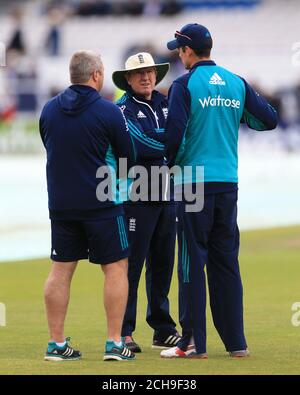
{"points": [[115, 296], [57, 295]]}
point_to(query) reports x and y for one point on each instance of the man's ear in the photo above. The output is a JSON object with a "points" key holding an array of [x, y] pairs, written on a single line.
{"points": [[127, 77], [94, 76], [190, 50]]}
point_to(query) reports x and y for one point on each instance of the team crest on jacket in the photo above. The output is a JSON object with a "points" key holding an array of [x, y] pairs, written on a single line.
{"points": [[165, 112], [132, 224]]}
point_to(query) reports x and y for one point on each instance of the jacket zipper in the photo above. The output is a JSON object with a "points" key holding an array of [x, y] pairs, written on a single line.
{"points": [[157, 124]]}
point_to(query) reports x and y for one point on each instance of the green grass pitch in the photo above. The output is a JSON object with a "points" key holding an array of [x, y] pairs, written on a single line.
{"points": [[270, 266]]}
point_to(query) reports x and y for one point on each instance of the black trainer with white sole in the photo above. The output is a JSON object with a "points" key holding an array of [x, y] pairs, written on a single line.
{"points": [[166, 342], [133, 346]]}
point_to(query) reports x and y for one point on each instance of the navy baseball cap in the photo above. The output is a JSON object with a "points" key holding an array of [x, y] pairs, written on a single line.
{"points": [[191, 35]]}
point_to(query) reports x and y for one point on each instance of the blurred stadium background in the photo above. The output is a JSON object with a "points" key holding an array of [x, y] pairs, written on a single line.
{"points": [[258, 39]]}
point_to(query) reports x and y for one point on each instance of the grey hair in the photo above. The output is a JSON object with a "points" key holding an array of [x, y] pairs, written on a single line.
{"points": [[82, 65]]}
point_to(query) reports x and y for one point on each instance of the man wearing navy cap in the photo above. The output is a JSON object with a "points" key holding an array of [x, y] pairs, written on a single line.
{"points": [[206, 108]]}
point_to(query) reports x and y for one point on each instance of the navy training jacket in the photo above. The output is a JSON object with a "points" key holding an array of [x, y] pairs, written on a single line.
{"points": [[81, 132], [146, 122], [206, 107]]}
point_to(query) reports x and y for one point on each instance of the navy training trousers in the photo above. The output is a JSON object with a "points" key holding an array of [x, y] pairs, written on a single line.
{"points": [[210, 237], [152, 235]]}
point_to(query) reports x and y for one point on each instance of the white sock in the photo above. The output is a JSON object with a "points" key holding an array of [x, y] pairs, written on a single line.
{"points": [[119, 344], [61, 344]]}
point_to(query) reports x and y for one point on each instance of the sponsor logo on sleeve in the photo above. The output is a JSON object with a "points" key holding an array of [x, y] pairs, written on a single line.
{"points": [[165, 112]]}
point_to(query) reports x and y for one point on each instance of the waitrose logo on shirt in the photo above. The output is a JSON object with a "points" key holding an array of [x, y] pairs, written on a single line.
{"points": [[219, 101]]}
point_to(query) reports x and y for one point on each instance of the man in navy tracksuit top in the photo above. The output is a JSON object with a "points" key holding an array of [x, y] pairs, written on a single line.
{"points": [[152, 224], [84, 134], [205, 109]]}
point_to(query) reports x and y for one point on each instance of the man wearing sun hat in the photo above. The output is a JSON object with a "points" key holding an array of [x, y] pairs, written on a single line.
{"points": [[205, 110], [151, 224]]}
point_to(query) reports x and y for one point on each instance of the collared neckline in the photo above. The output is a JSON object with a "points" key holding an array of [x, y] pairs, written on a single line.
{"points": [[156, 98], [203, 63]]}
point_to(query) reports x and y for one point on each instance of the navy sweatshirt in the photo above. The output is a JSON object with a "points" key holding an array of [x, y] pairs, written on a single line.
{"points": [[81, 132]]}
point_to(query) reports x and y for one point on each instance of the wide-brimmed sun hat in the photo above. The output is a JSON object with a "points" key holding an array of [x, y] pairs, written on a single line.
{"points": [[139, 61]]}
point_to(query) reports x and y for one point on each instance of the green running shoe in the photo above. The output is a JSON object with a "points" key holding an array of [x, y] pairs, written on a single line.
{"points": [[117, 353], [64, 353]]}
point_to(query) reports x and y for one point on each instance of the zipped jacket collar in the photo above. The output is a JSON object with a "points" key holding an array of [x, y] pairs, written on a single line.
{"points": [[203, 63]]}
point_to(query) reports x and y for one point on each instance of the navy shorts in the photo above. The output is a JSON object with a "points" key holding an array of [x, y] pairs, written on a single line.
{"points": [[101, 241]]}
